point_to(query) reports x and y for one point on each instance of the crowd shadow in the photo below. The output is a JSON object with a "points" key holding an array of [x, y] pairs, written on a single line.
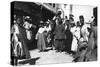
{"points": [[31, 61], [46, 50]]}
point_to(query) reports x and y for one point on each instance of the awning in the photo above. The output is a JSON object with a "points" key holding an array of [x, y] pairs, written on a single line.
{"points": [[27, 7], [49, 7]]}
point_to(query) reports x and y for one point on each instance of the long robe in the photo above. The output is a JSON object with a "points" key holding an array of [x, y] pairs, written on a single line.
{"points": [[76, 35], [90, 51], [68, 41], [41, 44], [21, 37], [60, 37]]}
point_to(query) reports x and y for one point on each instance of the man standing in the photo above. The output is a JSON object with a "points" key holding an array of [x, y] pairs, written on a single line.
{"points": [[59, 36], [41, 44], [69, 37]]}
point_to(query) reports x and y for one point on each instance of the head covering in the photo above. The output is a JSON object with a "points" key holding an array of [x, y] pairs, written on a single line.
{"points": [[71, 15], [27, 18], [59, 11], [81, 17], [48, 21], [41, 23]]}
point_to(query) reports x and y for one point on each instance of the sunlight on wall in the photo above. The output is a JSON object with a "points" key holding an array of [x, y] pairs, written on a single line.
{"points": [[86, 11]]}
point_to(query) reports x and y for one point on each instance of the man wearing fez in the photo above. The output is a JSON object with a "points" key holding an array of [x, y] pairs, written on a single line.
{"points": [[41, 45], [29, 27], [19, 37], [59, 36]]}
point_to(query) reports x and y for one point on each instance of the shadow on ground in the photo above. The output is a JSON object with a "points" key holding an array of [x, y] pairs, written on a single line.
{"points": [[30, 61]]}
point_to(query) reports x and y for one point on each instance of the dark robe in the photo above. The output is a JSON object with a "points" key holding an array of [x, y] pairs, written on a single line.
{"points": [[68, 42], [88, 52], [41, 45], [59, 37], [91, 53], [22, 38], [53, 25]]}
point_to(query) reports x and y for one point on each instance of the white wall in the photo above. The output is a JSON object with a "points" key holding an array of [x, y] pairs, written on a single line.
{"points": [[86, 11], [66, 10], [77, 10]]}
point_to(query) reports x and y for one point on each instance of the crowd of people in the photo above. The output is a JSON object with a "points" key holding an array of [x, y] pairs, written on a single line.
{"points": [[78, 39], [21, 35]]}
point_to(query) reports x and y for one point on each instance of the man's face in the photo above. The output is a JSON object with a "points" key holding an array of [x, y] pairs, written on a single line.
{"points": [[18, 21], [78, 24], [81, 20], [26, 25], [14, 17], [59, 13]]}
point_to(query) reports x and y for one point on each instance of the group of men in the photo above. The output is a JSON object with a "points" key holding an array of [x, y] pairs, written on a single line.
{"points": [[62, 34], [76, 38], [21, 35]]}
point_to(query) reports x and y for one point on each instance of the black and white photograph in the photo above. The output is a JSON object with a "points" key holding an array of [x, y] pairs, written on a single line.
{"points": [[52, 33]]}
